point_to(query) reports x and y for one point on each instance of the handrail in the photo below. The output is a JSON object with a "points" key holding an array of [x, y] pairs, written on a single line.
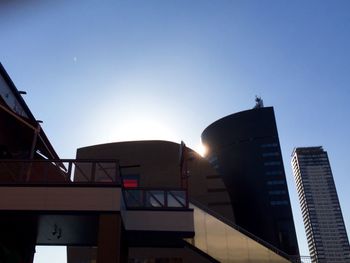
{"points": [[154, 188], [53, 171], [62, 160], [154, 198]]}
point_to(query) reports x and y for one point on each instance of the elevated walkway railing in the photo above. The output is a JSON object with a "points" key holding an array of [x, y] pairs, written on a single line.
{"points": [[155, 198], [56, 171], [151, 212], [64, 185]]}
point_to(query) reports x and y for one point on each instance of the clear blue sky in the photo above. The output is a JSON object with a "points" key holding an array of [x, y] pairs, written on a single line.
{"points": [[103, 71]]}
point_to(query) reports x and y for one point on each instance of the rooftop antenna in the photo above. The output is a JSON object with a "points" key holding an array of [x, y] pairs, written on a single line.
{"points": [[259, 103]]}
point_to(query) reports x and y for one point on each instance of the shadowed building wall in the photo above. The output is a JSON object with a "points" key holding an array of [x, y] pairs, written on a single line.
{"points": [[159, 167]]}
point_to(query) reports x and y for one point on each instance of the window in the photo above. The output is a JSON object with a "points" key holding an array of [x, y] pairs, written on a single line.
{"points": [[275, 182], [270, 154], [213, 159], [274, 173], [277, 192], [131, 180], [269, 145], [272, 163], [283, 202]]}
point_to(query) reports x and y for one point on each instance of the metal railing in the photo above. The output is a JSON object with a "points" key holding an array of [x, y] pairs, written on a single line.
{"points": [[155, 199], [59, 171]]}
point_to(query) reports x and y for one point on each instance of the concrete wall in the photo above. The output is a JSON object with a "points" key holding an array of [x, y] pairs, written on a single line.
{"points": [[39, 198]]}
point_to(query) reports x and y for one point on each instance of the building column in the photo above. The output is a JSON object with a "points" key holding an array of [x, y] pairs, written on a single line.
{"points": [[18, 238], [110, 247]]}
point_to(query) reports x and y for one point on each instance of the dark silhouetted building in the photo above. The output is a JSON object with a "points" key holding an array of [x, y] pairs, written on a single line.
{"points": [[245, 149], [116, 203], [323, 220]]}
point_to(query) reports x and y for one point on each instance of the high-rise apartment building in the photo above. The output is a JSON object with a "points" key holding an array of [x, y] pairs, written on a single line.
{"points": [[323, 220]]}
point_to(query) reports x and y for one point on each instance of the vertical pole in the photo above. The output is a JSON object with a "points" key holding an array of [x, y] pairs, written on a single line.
{"points": [[117, 172], [32, 151], [70, 171], [35, 139], [166, 198], [93, 172], [186, 183], [184, 170]]}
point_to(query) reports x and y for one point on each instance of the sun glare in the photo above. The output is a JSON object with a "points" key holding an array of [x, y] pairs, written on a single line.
{"points": [[202, 149], [143, 129]]}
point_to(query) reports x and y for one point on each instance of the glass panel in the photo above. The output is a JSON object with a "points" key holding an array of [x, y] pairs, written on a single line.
{"points": [[176, 198], [133, 198], [82, 171], [105, 172], [237, 246], [155, 198], [200, 237], [142, 198], [257, 252], [216, 238], [227, 244]]}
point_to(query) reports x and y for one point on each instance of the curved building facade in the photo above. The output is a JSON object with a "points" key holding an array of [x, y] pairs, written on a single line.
{"points": [[244, 148], [158, 166]]}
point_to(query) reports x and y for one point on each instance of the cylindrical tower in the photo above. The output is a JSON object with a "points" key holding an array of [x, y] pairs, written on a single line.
{"points": [[244, 148]]}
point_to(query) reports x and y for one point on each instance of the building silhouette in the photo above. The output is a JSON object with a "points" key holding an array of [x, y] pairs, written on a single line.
{"points": [[244, 148], [120, 202], [323, 220]]}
